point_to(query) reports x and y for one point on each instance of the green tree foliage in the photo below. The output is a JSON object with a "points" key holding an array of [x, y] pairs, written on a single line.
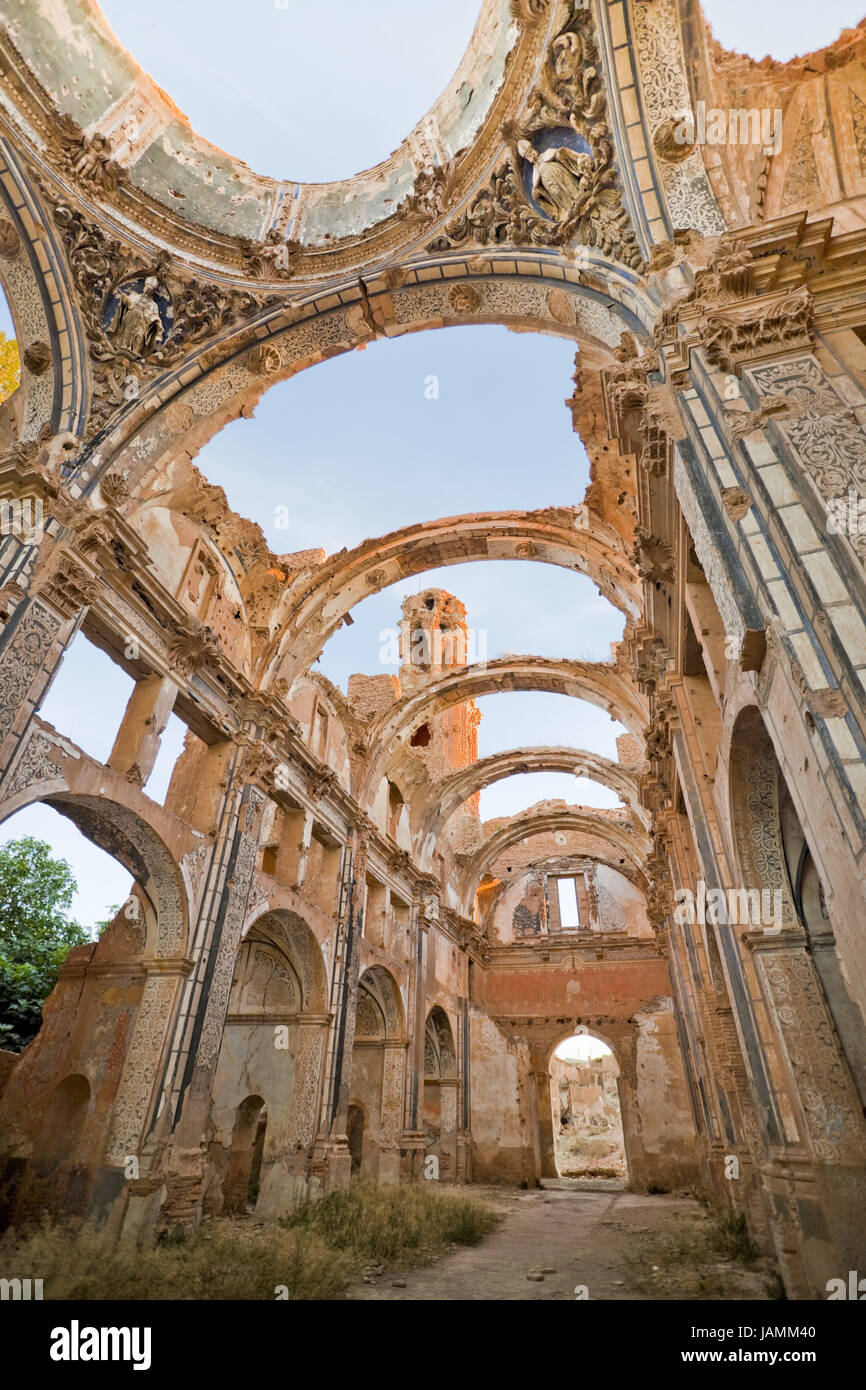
{"points": [[36, 933]]}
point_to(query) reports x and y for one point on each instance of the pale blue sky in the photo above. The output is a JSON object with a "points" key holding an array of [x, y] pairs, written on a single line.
{"points": [[353, 448], [319, 92]]}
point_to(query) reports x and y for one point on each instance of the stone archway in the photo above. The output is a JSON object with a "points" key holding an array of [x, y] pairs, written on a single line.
{"points": [[109, 1015], [377, 1076], [273, 1046], [56, 1182], [623, 1041], [808, 1004], [444, 798], [598, 683], [621, 846], [441, 1094], [241, 1183], [313, 607], [117, 828], [355, 1125]]}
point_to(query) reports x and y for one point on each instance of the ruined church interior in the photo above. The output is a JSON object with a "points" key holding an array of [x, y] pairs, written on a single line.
{"points": [[596, 942]]}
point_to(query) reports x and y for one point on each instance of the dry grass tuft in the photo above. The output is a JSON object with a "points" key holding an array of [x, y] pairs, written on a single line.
{"points": [[314, 1254]]}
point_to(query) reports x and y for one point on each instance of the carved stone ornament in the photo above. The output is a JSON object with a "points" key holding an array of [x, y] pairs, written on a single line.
{"points": [[87, 158], [666, 254], [655, 447], [431, 193], [10, 242], [529, 12], [758, 328], [37, 763], [671, 140], [37, 358], [259, 764], [192, 648], [651, 662], [560, 306], [265, 359], [743, 423], [274, 258], [575, 190], [11, 594], [464, 299], [628, 384], [395, 277], [192, 867], [140, 318], [321, 783], [734, 269], [115, 488], [70, 587], [653, 557], [659, 735], [729, 277], [736, 502]]}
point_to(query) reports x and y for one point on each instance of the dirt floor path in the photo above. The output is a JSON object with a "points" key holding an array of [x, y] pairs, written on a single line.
{"points": [[620, 1245]]}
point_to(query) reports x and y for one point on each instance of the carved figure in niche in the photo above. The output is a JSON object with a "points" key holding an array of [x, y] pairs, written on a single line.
{"points": [[529, 912], [136, 324], [559, 178]]}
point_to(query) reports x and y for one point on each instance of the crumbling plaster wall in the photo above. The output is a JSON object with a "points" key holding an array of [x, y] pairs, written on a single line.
{"points": [[502, 1130]]}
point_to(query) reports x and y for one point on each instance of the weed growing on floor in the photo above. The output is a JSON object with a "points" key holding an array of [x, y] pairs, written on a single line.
{"points": [[394, 1223], [223, 1260], [702, 1257], [312, 1254]]}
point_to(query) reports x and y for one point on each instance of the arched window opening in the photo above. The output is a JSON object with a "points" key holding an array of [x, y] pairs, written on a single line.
{"points": [[58, 890]]}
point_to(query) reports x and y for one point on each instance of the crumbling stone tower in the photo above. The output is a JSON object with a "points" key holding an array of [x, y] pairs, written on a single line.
{"points": [[435, 639]]}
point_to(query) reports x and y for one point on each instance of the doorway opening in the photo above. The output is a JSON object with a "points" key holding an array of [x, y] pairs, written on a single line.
{"points": [[241, 1187], [587, 1119]]}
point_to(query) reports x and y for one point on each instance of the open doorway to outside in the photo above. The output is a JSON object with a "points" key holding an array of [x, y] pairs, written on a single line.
{"points": [[587, 1120]]}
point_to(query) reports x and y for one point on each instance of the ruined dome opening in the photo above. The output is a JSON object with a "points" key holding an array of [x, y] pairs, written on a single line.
{"points": [[327, 120], [760, 30]]}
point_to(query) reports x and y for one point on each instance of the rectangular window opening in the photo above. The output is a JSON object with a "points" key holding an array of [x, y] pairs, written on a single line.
{"points": [[566, 892]]}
